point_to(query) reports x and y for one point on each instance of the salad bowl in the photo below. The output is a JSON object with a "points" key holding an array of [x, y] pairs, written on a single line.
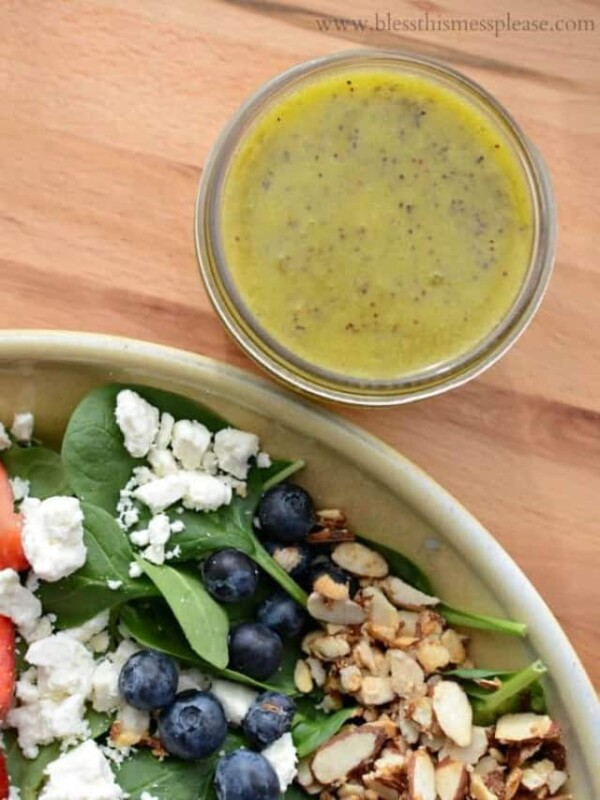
{"points": [[387, 497]]}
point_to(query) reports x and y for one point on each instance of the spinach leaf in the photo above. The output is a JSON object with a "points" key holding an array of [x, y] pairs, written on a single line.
{"points": [[85, 593], [97, 464], [401, 566], [313, 727], [28, 774], [468, 619], [172, 778], [509, 697], [202, 620], [408, 571], [40, 466], [152, 624]]}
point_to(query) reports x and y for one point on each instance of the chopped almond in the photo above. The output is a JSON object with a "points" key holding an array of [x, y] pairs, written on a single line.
{"points": [[523, 727], [376, 691], [478, 789], [354, 557], [407, 676], [350, 678], [473, 752], [332, 590], [451, 779], [421, 776], [403, 595], [330, 648], [346, 752], [340, 612], [453, 712], [432, 655], [302, 677], [381, 612]]}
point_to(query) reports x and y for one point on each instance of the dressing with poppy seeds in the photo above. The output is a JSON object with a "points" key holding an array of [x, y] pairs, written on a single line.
{"points": [[376, 224]]}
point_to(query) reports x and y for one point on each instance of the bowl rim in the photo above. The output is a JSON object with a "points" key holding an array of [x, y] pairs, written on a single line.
{"points": [[472, 540]]}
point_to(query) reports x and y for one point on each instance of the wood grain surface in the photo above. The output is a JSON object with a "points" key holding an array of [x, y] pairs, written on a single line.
{"points": [[108, 110]]}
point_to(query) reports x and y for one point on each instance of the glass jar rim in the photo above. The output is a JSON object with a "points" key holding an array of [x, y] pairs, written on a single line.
{"points": [[304, 376]]}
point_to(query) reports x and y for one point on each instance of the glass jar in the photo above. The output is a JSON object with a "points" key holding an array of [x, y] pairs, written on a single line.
{"points": [[299, 373]]}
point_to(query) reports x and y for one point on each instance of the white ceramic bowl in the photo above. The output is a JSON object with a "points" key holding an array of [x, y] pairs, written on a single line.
{"points": [[387, 497]]}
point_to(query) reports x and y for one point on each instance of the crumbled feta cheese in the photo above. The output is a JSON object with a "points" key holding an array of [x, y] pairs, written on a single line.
{"points": [[105, 679], [263, 461], [282, 756], [52, 536], [135, 570], [20, 488], [138, 422], [22, 427], [210, 463], [14, 793], [161, 493], [65, 665], [177, 526], [52, 693], [162, 462], [81, 774], [41, 630], [154, 538], [192, 679], [165, 431], [148, 796], [142, 475], [127, 512], [205, 492], [175, 552], [190, 442], [83, 633], [19, 603], [114, 585], [100, 642], [234, 449], [235, 699], [5, 441]]}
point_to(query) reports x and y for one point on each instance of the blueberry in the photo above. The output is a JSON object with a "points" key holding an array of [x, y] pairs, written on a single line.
{"points": [[193, 726], [324, 565], [148, 680], [254, 650], [286, 513], [269, 717], [281, 614], [244, 775], [230, 576], [293, 558]]}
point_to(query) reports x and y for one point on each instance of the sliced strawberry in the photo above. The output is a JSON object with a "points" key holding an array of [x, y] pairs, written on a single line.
{"points": [[4, 784], [7, 666], [11, 546]]}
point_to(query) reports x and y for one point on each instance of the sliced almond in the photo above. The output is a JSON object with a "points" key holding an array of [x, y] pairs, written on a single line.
{"points": [[330, 648], [364, 655], [430, 624], [381, 612], [303, 680], [421, 712], [451, 780], [346, 752], [470, 754], [306, 779], [536, 776], [523, 727], [317, 671], [403, 595], [354, 557], [432, 655], [556, 779], [408, 622], [454, 644], [478, 789], [512, 783], [376, 691], [375, 784], [421, 776], [351, 791], [453, 712], [340, 612], [407, 676], [351, 678], [332, 590]]}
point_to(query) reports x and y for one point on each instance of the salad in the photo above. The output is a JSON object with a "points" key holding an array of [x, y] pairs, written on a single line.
{"points": [[178, 620]]}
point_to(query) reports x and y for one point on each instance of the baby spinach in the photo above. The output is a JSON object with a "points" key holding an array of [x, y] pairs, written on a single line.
{"points": [[408, 571], [313, 727], [40, 466], [508, 698], [85, 593], [202, 620], [97, 464], [468, 619], [173, 778]]}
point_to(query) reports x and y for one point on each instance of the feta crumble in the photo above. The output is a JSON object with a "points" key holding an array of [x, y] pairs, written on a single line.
{"points": [[22, 427], [138, 422], [114, 585], [52, 536], [81, 774], [5, 441], [233, 449], [205, 492], [135, 571], [161, 493], [235, 699], [19, 604], [263, 461], [20, 488], [190, 442], [282, 756]]}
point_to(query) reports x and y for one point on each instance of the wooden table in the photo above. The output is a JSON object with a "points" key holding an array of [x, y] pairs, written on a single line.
{"points": [[108, 110]]}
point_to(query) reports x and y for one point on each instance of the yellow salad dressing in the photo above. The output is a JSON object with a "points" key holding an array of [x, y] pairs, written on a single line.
{"points": [[376, 224]]}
